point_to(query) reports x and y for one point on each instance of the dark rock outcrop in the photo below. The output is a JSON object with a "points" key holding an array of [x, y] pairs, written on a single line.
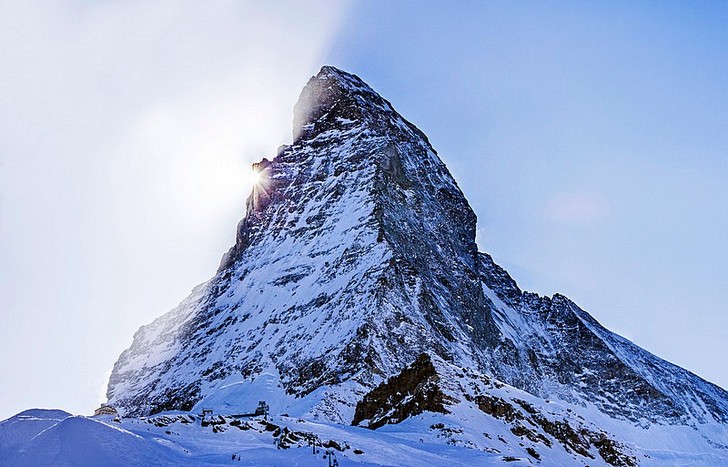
{"points": [[413, 391]]}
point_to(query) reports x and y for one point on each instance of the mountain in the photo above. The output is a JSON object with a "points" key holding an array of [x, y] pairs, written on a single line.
{"points": [[355, 294]]}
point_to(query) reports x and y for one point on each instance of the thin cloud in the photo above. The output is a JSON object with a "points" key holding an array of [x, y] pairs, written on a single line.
{"points": [[578, 208], [126, 131]]}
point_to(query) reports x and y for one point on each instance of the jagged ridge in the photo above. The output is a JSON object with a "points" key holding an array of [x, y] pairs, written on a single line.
{"points": [[357, 255]]}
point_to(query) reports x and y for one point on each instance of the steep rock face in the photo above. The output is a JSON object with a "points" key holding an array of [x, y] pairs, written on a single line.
{"points": [[356, 255], [552, 348]]}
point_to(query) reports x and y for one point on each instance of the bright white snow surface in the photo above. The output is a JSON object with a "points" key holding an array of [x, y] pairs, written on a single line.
{"points": [[357, 254], [55, 438]]}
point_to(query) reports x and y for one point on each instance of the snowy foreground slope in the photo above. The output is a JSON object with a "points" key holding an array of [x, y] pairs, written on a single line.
{"points": [[464, 437], [55, 438], [356, 304]]}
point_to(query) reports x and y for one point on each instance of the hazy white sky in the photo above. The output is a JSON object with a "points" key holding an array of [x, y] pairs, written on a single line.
{"points": [[589, 138]]}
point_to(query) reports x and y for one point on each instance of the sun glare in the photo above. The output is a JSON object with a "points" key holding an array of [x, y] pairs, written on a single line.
{"points": [[255, 177]]}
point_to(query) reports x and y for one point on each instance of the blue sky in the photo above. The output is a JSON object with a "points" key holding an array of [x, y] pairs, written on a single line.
{"points": [[588, 137]]}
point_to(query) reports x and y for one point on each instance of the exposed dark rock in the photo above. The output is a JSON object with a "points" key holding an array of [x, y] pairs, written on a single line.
{"points": [[611, 451], [356, 256], [533, 453], [407, 394], [498, 408], [578, 440]]}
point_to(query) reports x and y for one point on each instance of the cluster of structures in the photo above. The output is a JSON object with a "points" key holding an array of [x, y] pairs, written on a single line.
{"points": [[106, 409], [262, 410]]}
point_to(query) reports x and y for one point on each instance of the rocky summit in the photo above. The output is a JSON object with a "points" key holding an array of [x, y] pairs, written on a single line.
{"points": [[355, 294]]}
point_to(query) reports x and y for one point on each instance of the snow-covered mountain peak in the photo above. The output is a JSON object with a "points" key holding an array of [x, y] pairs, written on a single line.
{"points": [[354, 313], [355, 293], [333, 99], [330, 98]]}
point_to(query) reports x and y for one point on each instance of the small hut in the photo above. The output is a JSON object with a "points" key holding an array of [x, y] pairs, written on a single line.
{"points": [[105, 409], [262, 409]]}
